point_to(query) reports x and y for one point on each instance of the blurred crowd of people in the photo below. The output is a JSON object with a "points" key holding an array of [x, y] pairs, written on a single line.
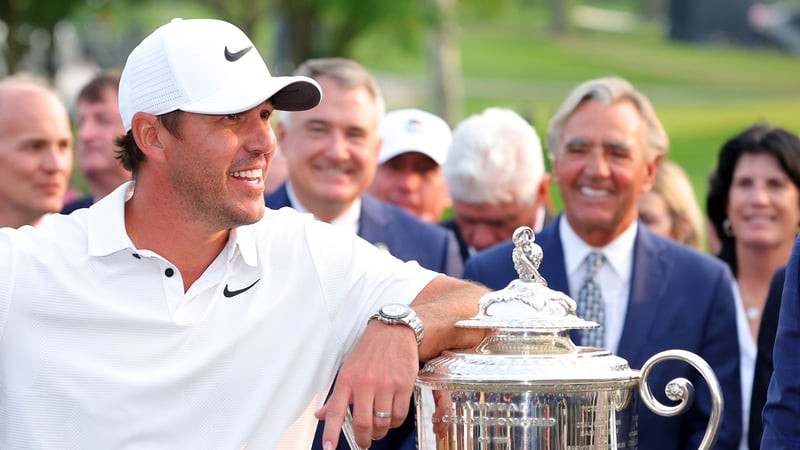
{"points": [[671, 275]]}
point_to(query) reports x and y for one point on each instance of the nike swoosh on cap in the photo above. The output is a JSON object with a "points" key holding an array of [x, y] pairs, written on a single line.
{"points": [[234, 56], [228, 293]]}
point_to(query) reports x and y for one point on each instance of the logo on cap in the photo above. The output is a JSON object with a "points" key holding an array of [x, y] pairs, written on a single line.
{"points": [[414, 126], [236, 55]]}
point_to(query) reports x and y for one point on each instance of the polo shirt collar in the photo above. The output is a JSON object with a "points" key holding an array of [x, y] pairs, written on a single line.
{"points": [[106, 223], [243, 239], [107, 233]]}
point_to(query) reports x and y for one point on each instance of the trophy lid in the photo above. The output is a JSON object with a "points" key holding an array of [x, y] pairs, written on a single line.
{"points": [[527, 303], [528, 343]]}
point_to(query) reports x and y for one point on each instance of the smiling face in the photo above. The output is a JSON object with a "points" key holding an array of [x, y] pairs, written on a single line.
{"points": [[331, 151], [35, 155], [600, 169], [216, 166], [763, 203], [414, 182]]}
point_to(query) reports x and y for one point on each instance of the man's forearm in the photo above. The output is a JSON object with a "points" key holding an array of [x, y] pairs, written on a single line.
{"points": [[442, 303]]}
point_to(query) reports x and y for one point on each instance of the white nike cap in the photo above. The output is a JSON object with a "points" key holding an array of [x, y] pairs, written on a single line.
{"points": [[205, 66], [414, 130]]}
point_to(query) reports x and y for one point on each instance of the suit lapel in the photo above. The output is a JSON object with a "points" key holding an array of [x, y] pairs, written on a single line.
{"points": [[649, 280], [278, 198], [372, 222], [552, 268]]}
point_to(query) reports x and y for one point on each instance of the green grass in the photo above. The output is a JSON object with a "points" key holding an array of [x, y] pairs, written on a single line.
{"points": [[703, 94]]}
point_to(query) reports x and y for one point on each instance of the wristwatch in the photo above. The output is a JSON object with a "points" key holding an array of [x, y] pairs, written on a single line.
{"points": [[400, 314]]}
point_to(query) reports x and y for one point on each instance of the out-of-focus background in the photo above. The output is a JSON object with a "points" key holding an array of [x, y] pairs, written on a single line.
{"points": [[711, 67]]}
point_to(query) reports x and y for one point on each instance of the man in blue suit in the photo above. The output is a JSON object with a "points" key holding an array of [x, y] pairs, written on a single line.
{"points": [[781, 416], [606, 143], [331, 153]]}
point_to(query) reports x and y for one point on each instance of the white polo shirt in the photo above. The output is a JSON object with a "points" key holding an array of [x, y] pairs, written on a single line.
{"points": [[100, 348]]}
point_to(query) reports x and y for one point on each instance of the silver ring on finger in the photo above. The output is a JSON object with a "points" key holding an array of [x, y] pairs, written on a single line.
{"points": [[383, 414]]}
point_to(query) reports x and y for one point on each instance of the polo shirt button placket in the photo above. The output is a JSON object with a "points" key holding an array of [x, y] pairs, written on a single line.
{"points": [[169, 272]]}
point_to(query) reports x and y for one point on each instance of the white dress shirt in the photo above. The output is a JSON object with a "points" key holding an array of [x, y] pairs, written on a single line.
{"points": [[614, 276], [348, 219], [747, 362]]}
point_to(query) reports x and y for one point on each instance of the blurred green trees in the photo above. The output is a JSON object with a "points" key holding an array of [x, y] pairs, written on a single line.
{"points": [[29, 23]]}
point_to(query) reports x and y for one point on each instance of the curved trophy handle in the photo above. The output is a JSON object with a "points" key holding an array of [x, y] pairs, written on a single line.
{"points": [[681, 390], [347, 429]]}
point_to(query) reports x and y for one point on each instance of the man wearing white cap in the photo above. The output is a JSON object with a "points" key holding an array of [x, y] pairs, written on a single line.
{"points": [[413, 148], [177, 312]]}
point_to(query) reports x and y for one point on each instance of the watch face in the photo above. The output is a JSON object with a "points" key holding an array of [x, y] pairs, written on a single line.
{"points": [[395, 311]]}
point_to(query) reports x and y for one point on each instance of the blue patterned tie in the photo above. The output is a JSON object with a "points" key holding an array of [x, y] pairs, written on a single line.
{"points": [[590, 302]]}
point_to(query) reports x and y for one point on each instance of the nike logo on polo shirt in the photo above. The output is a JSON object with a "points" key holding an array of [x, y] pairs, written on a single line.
{"points": [[228, 293], [236, 55]]}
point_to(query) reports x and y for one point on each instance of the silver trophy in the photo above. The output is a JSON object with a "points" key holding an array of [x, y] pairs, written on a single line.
{"points": [[527, 386]]}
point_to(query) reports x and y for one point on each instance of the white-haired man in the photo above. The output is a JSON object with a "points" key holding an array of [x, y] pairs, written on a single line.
{"points": [[496, 178]]}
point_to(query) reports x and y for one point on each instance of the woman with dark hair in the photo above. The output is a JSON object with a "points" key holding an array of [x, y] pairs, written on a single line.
{"points": [[754, 203]]}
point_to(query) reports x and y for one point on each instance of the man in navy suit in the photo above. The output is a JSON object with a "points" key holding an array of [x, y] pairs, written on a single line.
{"points": [[606, 143], [781, 416], [331, 153], [762, 376]]}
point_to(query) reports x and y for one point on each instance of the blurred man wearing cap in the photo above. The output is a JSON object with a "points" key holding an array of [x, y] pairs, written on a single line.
{"points": [[99, 124], [413, 148], [177, 312], [35, 152], [496, 178]]}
